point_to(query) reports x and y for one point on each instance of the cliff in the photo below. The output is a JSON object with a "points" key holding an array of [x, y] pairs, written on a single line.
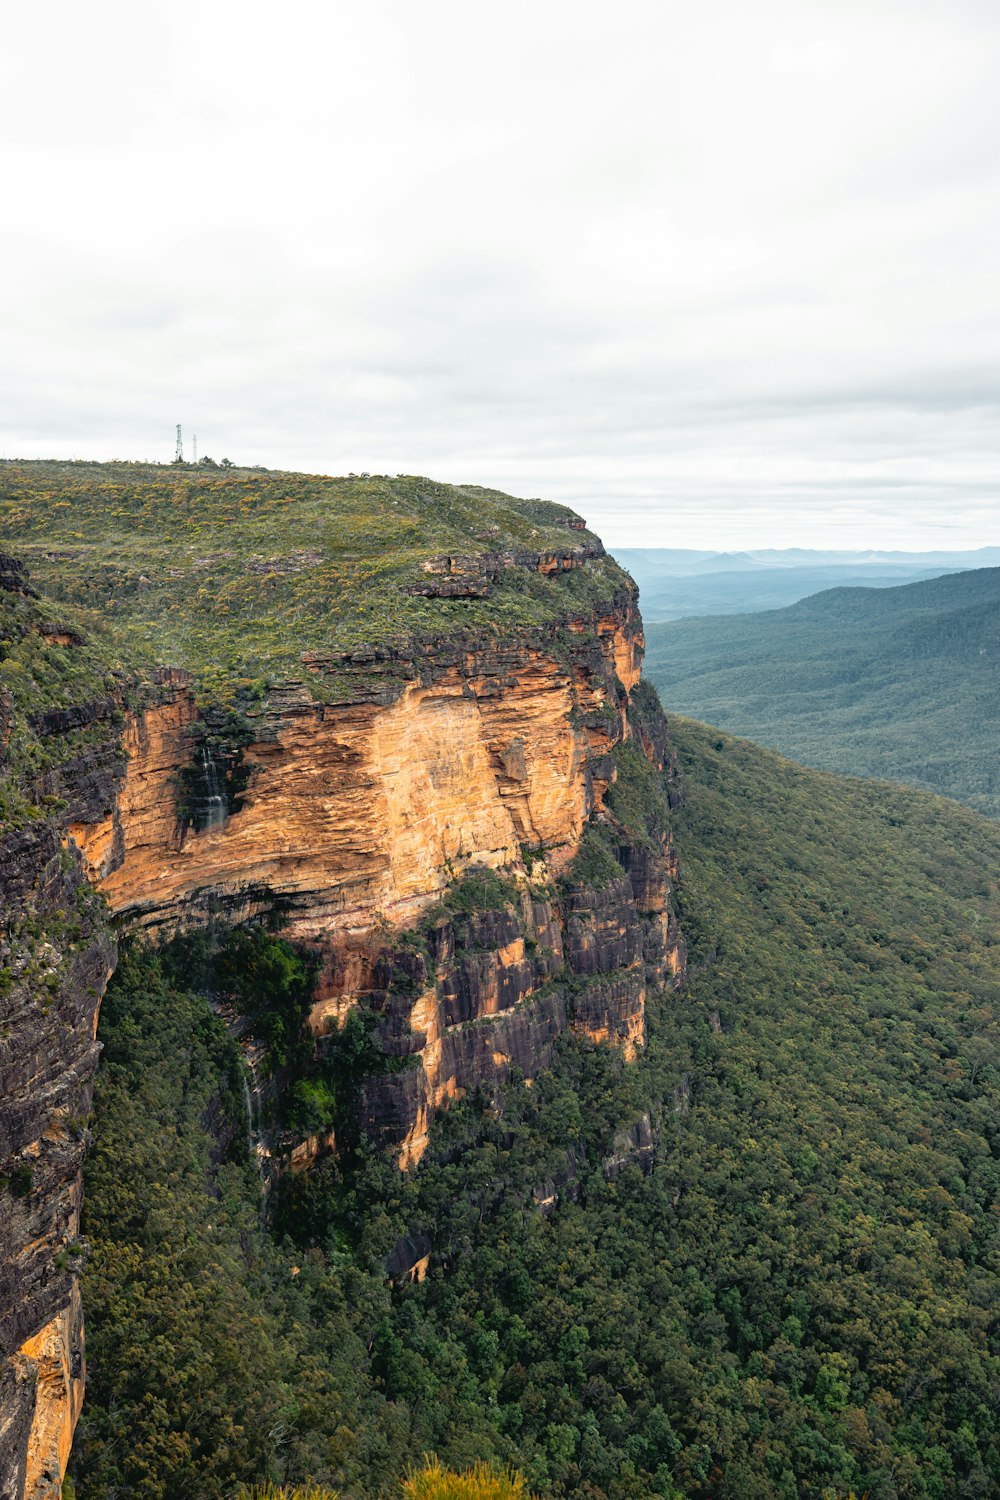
{"points": [[489, 991], [438, 788], [356, 817], [433, 759], [55, 957]]}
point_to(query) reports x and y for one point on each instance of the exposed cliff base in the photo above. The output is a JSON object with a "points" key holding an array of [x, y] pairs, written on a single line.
{"points": [[480, 993]]}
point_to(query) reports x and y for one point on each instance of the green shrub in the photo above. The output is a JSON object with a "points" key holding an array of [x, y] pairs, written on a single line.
{"points": [[636, 797], [594, 864], [480, 889], [21, 1180]]}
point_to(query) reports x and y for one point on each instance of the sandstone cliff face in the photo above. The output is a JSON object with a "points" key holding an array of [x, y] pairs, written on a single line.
{"points": [[365, 809], [478, 751], [48, 1378], [492, 991]]}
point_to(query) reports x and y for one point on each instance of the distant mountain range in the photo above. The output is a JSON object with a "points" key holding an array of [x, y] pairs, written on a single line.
{"points": [[677, 583], [902, 683]]}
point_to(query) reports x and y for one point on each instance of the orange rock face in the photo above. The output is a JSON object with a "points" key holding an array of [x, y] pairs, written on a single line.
{"points": [[493, 990], [364, 812], [359, 815], [54, 1362]]}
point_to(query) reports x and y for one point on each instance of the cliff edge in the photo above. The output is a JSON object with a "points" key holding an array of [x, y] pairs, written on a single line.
{"points": [[403, 721]]}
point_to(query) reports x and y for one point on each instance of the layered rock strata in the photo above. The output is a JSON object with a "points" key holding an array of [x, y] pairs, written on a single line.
{"points": [[365, 809], [490, 992], [476, 751], [56, 953]]}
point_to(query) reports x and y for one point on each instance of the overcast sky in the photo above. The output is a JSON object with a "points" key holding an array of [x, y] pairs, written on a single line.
{"points": [[717, 274]]}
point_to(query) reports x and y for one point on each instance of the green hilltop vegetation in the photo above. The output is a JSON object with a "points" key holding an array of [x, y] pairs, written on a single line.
{"points": [[902, 683], [233, 573], [37, 677], [793, 1295]]}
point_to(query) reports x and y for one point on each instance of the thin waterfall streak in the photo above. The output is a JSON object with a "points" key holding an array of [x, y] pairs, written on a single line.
{"points": [[215, 803], [257, 1148]]}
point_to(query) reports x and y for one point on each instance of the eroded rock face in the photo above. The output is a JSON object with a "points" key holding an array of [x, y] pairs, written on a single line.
{"points": [[365, 810], [358, 815], [55, 957], [491, 992], [632, 1143], [51, 1366]]}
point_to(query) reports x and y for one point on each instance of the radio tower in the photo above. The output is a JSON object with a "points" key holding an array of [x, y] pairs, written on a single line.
{"points": [[179, 450], [194, 458]]}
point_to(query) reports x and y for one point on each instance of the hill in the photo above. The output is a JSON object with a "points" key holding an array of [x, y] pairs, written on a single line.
{"points": [[677, 584], [409, 1138], [760, 1263], [901, 683], [365, 739], [234, 573]]}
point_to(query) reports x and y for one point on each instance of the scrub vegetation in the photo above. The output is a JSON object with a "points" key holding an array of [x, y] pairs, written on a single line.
{"points": [[61, 688], [234, 573]]}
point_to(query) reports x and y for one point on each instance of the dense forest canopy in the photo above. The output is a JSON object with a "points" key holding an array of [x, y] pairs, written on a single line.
{"points": [[786, 1288]]}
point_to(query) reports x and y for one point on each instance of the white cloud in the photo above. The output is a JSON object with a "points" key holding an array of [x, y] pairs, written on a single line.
{"points": [[719, 275]]}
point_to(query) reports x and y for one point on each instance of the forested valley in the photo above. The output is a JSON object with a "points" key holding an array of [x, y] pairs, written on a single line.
{"points": [[897, 682], [759, 1263]]}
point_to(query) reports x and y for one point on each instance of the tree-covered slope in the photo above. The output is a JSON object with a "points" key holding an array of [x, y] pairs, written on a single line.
{"points": [[760, 1263], [901, 683]]}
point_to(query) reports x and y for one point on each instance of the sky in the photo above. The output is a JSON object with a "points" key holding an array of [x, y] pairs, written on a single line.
{"points": [[717, 275]]}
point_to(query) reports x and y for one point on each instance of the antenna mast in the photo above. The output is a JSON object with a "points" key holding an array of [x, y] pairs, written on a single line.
{"points": [[179, 450], [195, 458]]}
